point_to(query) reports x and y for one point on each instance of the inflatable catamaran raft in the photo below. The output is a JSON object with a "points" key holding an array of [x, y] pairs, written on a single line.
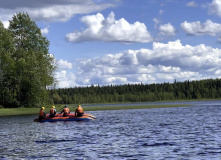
{"points": [[70, 117]]}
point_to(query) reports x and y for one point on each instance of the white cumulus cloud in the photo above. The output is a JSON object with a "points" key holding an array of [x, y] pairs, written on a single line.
{"points": [[64, 75], [167, 30], [110, 30], [50, 11], [45, 31], [63, 64], [215, 7], [65, 79], [165, 62], [198, 28]]}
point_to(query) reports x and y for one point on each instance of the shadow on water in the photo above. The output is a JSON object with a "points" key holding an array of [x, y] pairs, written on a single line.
{"points": [[163, 133]]}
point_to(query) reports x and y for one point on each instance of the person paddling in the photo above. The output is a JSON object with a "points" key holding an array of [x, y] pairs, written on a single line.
{"points": [[52, 112], [79, 111], [65, 111], [42, 113]]}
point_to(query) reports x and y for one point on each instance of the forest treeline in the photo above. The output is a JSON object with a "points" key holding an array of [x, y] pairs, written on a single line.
{"points": [[187, 90]]}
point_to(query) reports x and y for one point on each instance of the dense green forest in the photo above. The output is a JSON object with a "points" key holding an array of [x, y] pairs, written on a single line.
{"points": [[26, 67], [188, 90]]}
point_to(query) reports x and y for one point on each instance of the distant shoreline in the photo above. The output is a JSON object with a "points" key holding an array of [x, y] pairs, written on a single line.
{"points": [[31, 111]]}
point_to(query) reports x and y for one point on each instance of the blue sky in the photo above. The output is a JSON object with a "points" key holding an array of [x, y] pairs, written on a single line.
{"points": [[103, 42]]}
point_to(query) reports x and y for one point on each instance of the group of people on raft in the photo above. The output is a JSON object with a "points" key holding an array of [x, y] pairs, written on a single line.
{"points": [[66, 111]]}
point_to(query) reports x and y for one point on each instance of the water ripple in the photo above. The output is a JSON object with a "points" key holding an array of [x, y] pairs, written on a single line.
{"points": [[165, 133], [159, 144], [54, 141]]}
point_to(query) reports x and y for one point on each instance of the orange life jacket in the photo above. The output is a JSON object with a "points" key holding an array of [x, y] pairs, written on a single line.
{"points": [[41, 113], [79, 110], [66, 111], [52, 111]]}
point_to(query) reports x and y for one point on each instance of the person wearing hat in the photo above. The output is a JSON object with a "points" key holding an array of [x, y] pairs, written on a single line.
{"points": [[42, 113], [52, 112], [79, 111], [65, 111]]}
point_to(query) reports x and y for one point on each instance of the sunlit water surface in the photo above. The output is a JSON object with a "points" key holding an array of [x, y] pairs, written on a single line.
{"points": [[165, 133]]}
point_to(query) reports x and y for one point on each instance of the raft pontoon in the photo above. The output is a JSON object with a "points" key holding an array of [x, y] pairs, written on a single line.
{"points": [[70, 117]]}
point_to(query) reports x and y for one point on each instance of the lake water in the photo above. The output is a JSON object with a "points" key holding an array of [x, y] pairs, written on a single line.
{"points": [[164, 133]]}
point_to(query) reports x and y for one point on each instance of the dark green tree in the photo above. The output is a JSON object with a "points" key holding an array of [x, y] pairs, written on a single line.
{"points": [[7, 67], [33, 65]]}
